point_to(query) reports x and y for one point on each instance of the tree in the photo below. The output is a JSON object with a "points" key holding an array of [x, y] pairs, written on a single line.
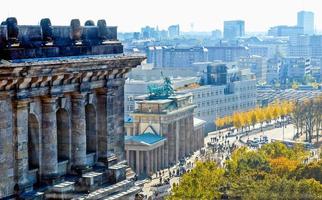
{"points": [[318, 115], [253, 118], [260, 116], [237, 121], [309, 119], [283, 166], [219, 122], [297, 117], [311, 170], [272, 172], [268, 113], [203, 182], [275, 111]]}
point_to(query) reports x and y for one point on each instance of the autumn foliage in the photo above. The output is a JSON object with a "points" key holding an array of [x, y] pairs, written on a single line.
{"points": [[272, 172]]}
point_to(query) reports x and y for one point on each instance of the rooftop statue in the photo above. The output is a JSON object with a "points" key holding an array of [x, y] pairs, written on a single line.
{"points": [[161, 92]]}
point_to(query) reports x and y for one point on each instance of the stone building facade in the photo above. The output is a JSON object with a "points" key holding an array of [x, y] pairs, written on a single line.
{"points": [[162, 132], [61, 109]]}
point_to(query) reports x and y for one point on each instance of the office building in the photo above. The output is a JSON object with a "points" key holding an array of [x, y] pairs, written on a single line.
{"points": [[226, 54], [234, 29], [174, 31], [256, 64], [305, 19], [226, 91], [289, 31]]}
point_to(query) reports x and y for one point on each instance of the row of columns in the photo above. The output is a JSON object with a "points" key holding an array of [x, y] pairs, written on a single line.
{"points": [[146, 162], [180, 139], [48, 168]]}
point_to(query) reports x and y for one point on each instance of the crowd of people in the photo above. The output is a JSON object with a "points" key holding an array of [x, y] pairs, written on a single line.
{"points": [[221, 147]]}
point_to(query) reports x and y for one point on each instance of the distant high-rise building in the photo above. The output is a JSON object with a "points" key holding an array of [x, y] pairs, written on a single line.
{"points": [[148, 32], [216, 34], [234, 29], [290, 31], [305, 19], [174, 31]]}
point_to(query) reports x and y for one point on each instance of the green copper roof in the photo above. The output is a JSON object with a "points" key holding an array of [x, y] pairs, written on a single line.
{"points": [[148, 138]]}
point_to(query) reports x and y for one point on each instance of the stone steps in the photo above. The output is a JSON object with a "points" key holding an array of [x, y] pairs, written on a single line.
{"points": [[90, 181], [125, 194], [130, 173], [109, 190], [63, 190]]}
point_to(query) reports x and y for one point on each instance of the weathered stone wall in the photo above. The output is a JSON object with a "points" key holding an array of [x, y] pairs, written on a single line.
{"points": [[6, 147]]}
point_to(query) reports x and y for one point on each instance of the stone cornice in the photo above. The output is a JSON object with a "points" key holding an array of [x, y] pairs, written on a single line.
{"points": [[57, 77]]}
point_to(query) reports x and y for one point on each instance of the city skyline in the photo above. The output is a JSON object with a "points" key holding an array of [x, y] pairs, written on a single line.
{"points": [[192, 16]]}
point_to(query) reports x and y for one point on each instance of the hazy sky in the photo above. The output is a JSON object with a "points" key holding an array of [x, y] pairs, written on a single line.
{"points": [[130, 15]]}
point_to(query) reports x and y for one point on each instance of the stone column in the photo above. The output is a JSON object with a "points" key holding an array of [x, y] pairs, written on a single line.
{"points": [[78, 131], [147, 162], [119, 129], [128, 157], [137, 162], [155, 160], [49, 164], [6, 144], [172, 143], [102, 125], [106, 123], [194, 141], [165, 132], [162, 157], [182, 139], [141, 162], [187, 138], [177, 141], [151, 161], [190, 125], [159, 159], [21, 144]]}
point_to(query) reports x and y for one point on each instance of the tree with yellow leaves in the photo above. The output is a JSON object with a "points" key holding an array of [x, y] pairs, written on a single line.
{"points": [[260, 116], [247, 119], [275, 110], [253, 117], [268, 113], [219, 122], [237, 121]]}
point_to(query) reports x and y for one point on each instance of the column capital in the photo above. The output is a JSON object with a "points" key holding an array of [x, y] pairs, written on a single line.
{"points": [[48, 99], [107, 91], [21, 103], [77, 95], [5, 95]]}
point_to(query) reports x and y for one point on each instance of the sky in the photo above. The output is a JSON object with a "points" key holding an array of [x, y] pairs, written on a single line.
{"points": [[131, 15]]}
